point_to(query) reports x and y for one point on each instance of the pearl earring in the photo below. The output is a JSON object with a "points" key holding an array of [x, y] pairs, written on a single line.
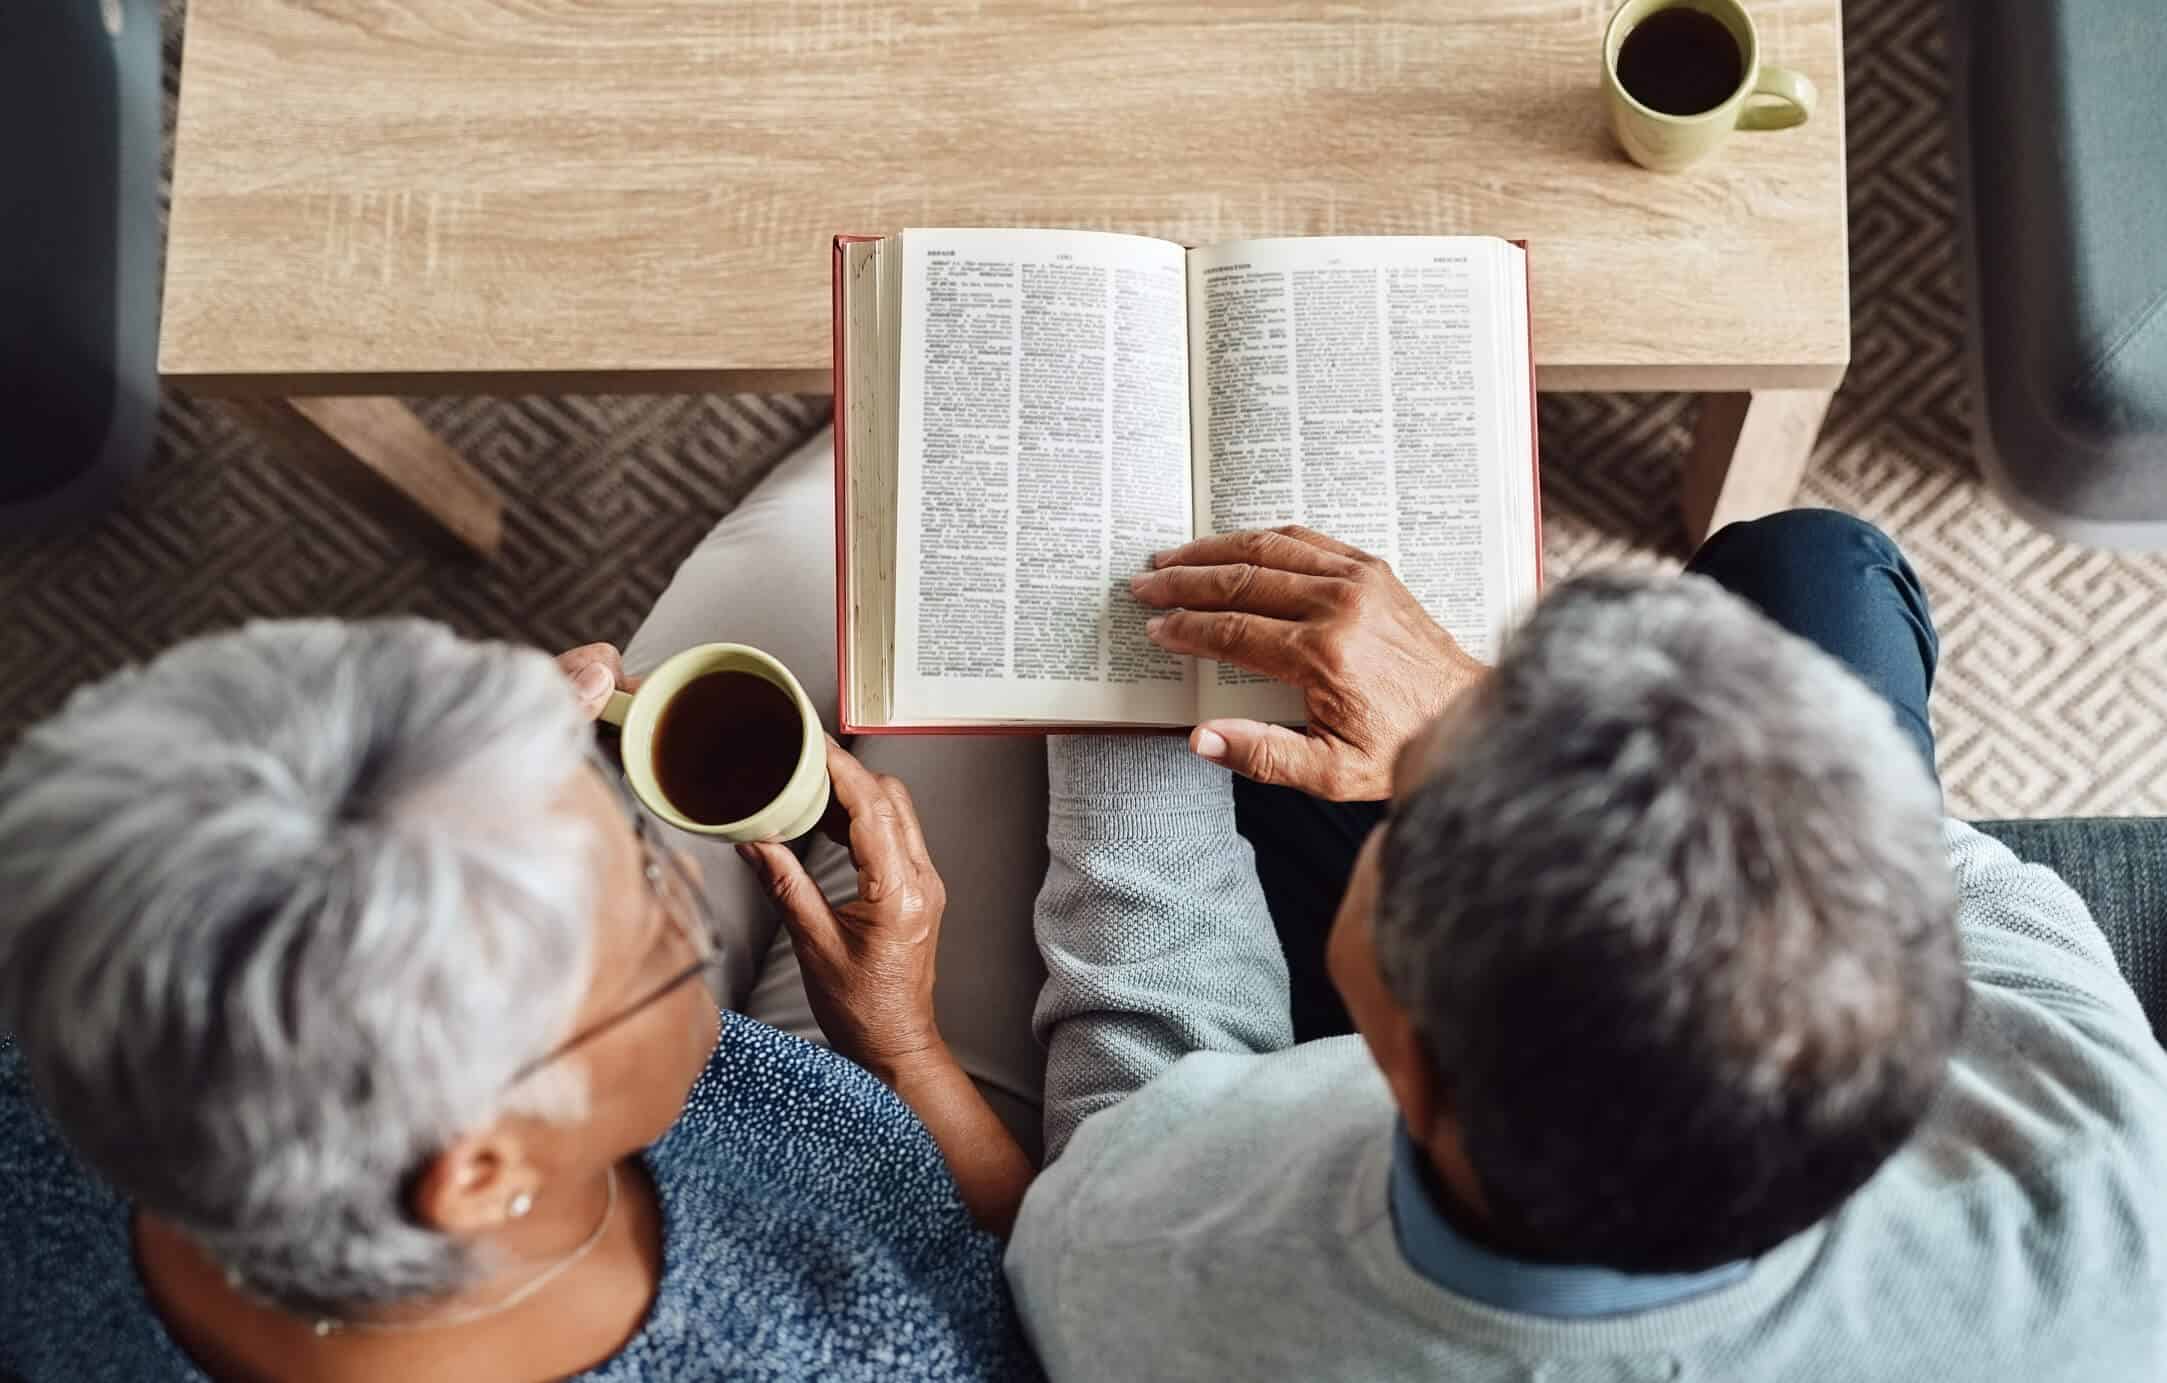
{"points": [[521, 1204]]}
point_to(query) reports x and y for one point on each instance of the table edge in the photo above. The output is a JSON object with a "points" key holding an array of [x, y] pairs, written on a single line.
{"points": [[1549, 379]]}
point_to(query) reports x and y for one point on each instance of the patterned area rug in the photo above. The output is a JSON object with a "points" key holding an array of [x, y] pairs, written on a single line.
{"points": [[2053, 690]]}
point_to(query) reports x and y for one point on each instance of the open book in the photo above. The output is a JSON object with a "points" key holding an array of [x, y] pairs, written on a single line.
{"points": [[1024, 416]]}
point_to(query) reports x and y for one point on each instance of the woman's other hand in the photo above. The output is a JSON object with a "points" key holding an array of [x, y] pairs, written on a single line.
{"points": [[595, 670]]}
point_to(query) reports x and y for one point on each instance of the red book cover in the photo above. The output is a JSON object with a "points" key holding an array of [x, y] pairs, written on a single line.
{"points": [[846, 718]]}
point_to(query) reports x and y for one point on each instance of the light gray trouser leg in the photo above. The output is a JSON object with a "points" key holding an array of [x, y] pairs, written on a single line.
{"points": [[766, 576]]}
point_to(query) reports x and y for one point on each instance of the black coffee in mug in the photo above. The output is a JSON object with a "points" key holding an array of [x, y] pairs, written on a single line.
{"points": [[726, 746], [1680, 61]]}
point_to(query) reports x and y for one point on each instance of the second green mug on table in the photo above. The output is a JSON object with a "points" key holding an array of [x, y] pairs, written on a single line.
{"points": [[1680, 75], [721, 740]]}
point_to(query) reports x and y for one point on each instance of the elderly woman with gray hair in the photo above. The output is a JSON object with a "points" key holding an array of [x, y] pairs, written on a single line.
{"points": [[366, 1031]]}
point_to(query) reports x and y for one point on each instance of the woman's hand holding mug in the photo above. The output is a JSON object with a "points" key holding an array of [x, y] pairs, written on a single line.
{"points": [[868, 965]]}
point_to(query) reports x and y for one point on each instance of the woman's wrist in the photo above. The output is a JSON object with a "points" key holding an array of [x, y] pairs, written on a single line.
{"points": [[907, 1062], [990, 1168]]}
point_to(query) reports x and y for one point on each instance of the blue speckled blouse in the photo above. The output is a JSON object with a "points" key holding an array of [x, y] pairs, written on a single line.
{"points": [[810, 1231]]}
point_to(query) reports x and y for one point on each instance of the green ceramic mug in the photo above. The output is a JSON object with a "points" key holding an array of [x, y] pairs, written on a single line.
{"points": [[794, 810], [1765, 98]]}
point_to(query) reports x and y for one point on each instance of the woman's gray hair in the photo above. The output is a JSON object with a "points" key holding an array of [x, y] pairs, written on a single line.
{"points": [[285, 910], [1674, 918]]}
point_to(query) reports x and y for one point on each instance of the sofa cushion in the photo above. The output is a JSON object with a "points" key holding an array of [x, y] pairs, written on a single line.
{"points": [[2119, 867], [2059, 131]]}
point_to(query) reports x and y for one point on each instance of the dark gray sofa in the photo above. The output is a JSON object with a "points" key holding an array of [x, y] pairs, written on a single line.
{"points": [[79, 244], [2061, 143], [2119, 867]]}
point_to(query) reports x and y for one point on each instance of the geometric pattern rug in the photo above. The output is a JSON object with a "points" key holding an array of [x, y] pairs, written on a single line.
{"points": [[2052, 697]]}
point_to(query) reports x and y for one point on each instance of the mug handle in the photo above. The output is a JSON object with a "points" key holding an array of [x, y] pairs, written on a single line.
{"points": [[1794, 95], [616, 709]]}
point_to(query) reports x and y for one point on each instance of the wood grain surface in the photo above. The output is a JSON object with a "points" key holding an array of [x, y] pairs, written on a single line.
{"points": [[418, 195]]}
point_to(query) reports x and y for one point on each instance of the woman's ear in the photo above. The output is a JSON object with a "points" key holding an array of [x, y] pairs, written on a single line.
{"points": [[480, 1182]]}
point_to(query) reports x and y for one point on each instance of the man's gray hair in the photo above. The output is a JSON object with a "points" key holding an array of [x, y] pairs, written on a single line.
{"points": [[285, 910], [1673, 915]]}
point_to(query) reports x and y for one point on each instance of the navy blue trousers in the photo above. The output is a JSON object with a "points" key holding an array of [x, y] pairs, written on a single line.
{"points": [[1830, 578]]}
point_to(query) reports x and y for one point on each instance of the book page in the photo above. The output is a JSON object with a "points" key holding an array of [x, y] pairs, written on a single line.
{"points": [[1366, 387], [1043, 455]]}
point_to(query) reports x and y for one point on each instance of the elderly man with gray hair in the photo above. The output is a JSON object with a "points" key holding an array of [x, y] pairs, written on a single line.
{"points": [[1659, 1026]]}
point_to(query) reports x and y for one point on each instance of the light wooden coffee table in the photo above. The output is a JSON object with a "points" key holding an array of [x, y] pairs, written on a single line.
{"points": [[384, 197]]}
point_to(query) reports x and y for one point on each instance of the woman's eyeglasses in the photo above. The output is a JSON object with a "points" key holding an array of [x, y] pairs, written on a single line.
{"points": [[687, 916]]}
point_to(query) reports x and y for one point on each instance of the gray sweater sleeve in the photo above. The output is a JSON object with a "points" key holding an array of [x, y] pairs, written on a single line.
{"points": [[1152, 924], [2027, 932], [2055, 1028]]}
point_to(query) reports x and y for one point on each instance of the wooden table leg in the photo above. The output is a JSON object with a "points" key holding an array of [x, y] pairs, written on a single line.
{"points": [[1749, 454], [382, 458]]}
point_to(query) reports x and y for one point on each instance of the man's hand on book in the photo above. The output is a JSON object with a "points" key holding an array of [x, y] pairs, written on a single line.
{"points": [[1305, 609]]}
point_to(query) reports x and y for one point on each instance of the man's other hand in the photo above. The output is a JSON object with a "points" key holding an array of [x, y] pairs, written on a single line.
{"points": [[1294, 605]]}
